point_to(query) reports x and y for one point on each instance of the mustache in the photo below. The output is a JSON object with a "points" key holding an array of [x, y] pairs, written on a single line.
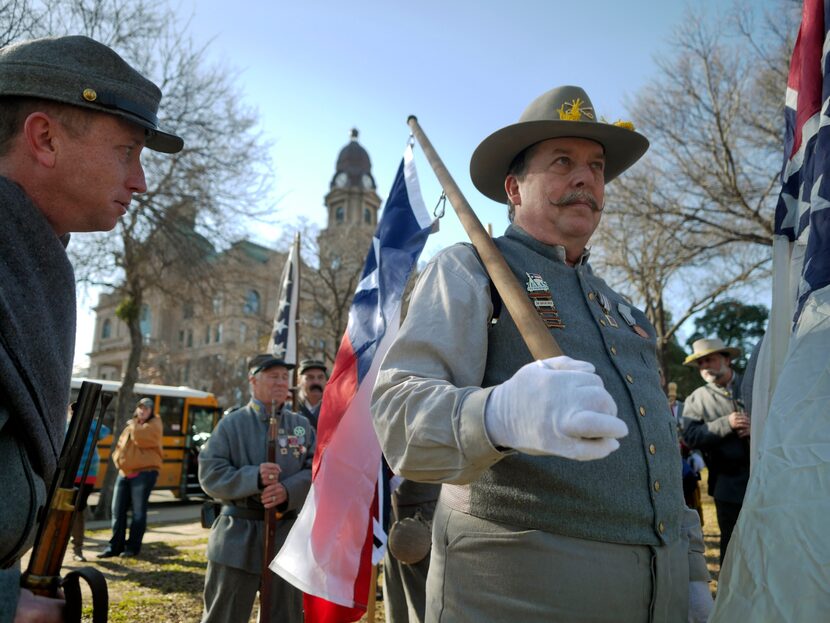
{"points": [[315, 387], [577, 197]]}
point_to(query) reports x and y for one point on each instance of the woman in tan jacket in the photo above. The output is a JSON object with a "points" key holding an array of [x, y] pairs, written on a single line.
{"points": [[138, 458]]}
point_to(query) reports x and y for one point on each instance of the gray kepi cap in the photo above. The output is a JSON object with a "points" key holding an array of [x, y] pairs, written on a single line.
{"points": [[80, 71]]}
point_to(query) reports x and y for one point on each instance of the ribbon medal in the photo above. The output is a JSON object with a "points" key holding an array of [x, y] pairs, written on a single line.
{"points": [[605, 304], [539, 293], [625, 312]]}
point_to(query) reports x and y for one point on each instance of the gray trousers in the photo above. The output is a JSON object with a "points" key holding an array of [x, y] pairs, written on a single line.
{"points": [[404, 590], [485, 571], [229, 597]]}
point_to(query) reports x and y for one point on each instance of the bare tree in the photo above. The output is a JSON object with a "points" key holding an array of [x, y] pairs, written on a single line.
{"points": [[196, 200], [694, 220]]}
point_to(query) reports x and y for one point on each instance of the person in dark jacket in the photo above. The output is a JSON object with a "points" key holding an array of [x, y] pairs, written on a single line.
{"points": [[716, 423]]}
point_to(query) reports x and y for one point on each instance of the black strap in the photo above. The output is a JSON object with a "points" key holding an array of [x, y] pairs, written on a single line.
{"points": [[72, 591]]}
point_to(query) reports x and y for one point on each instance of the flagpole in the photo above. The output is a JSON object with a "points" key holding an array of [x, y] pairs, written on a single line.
{"points": [[295, 403], [530, 325]]}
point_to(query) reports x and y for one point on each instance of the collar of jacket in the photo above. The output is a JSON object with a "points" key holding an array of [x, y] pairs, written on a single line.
{"points": [[262, 411], [555, 252]]}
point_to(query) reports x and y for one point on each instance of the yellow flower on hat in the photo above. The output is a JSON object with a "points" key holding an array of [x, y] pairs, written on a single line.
{"points": [[624, 124], [576, 108]]}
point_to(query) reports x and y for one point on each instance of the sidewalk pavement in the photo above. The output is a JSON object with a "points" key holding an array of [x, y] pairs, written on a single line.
{"points": [[168, 520]]}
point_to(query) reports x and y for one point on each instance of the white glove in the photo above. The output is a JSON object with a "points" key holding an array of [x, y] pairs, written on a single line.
{"points": [[555, 406], [700, 602]]}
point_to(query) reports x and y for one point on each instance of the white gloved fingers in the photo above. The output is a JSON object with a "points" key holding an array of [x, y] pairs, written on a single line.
{"points": [[589, 425], [564, 362], [593, 397], [590, 449]]}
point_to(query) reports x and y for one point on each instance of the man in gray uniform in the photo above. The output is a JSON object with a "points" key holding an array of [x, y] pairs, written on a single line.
{"points": [[233, 468], [562, 496], [74, 117], [406, 563], [313, 377], [716, 423]]}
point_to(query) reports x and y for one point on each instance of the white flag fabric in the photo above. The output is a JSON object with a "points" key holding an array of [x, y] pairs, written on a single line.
{"points": [[777, 566]]}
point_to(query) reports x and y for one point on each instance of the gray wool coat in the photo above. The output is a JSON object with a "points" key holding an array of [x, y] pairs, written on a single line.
{"points": [[228, 470]]}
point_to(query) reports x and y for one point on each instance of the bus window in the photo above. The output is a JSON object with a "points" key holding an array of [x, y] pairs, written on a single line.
{"points": [[171, 411], [201, 424]]}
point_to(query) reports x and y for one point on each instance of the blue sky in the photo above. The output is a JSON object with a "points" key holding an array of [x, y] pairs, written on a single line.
{"points": [[315, 69]]}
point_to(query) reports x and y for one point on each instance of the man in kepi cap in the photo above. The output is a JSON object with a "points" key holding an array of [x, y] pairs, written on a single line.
{"points": [[715, 422], [234, 469], [313, 377], [562, 497], [74, 117]]}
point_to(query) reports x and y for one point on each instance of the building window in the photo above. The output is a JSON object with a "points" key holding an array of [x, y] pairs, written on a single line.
{"points": [[217, 304], [217, 335], [145, 321], [181, 337], [339, 214], [187, 372], [207, 334], [106, 329], [187, 310], [243, 332], [190, 338], [367, 216], [251, 306]]}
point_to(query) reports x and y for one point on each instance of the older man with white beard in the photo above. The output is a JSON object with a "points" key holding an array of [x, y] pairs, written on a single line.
{"points": [[714, 421]]}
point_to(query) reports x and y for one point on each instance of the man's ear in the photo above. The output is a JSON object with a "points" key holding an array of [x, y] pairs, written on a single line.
{"points": [[511, 188], [39, 137]]}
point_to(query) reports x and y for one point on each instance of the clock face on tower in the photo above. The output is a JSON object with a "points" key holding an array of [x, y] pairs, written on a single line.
{"points": [[341, 179], [367, 181]]}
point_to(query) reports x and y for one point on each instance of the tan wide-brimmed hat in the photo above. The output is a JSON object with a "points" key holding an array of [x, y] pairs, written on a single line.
{"points": [[701, 348], [561, 112]]}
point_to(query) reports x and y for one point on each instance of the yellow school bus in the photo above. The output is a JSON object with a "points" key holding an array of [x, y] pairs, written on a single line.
{"points": [[188, 416]]}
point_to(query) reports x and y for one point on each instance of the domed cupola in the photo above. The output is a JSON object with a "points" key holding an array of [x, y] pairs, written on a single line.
{"points": [[353, 169]]}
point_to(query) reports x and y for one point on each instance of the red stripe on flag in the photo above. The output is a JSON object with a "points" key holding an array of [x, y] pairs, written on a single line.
{"points": [[340, 390], [318, 610], [805, 68]]}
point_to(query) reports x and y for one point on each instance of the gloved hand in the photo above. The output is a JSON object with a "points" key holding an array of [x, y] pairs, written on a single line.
{"points": [[700, 602], [555, 406]]}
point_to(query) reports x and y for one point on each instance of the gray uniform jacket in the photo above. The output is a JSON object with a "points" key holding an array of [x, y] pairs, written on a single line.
{"points": [[706, 428], [228, 471], [429, 399], [37, 342]]}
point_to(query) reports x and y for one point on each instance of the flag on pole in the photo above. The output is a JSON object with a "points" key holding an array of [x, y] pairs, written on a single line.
{"points": [[283, 342], [777, 567], [338, 535]]}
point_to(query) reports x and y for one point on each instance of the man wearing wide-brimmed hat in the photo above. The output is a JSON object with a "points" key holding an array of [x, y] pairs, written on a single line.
{"points": [[562, 497], [74, 117], [234, 469], [714, 421]]}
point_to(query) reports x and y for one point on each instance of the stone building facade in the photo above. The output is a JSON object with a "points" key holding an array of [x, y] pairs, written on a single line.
{"points": [[205, 344]]}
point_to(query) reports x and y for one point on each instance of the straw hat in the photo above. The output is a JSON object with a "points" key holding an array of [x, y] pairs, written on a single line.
{"points": [[707, 346]]}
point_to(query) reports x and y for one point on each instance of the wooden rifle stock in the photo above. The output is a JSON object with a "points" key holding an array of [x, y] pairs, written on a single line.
{"points": [[42, 575], [536, 335], [270, 526]]}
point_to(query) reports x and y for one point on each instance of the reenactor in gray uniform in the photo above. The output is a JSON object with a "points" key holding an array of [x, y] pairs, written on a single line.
{"points": [[233, 468], [562, 496], [74, 118], [406, 563], [716, 423]]}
